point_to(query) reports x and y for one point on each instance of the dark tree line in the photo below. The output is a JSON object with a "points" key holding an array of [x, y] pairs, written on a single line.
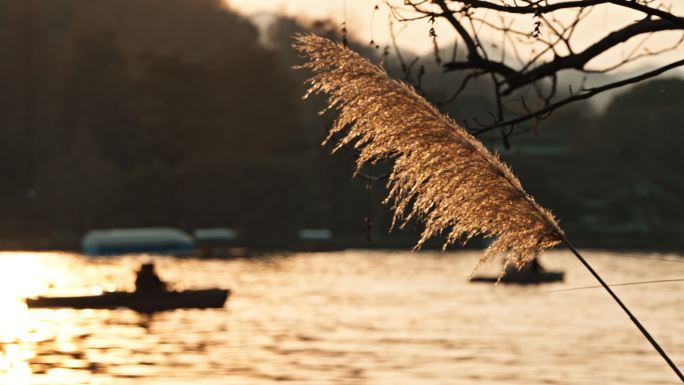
{"points": [[183, 113], [150, 113]]}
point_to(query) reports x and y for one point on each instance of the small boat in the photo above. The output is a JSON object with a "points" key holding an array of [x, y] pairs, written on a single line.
{"points": [[316, 240], [218, 242], [524, 277], [145, 302]]}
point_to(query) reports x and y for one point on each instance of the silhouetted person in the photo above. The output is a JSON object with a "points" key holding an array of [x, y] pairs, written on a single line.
{"points": [[535, 267], [532, 267], [147, 280]]}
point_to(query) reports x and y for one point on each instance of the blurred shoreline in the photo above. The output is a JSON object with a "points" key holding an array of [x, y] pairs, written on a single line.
{"points": [[661, 243]]}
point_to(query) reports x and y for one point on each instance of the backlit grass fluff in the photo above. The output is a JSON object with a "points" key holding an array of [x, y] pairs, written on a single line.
{"points": [[441, 175]]}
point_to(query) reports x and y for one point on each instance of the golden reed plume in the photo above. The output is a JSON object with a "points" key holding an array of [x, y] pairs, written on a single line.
{"points": [[441, 174]]}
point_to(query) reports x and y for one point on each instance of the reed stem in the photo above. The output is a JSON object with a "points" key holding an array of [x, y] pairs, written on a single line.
{"points": [[622, 305]]}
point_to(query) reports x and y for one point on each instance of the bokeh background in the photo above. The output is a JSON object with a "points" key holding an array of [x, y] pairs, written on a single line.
{"points": [[188, 114]]}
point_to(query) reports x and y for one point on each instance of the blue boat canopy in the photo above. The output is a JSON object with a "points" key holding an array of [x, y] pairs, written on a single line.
{"points": [[136, 240], [314, 235], [215, 235]]}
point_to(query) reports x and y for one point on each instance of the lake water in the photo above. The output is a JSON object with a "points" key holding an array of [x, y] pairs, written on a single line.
{"points": [[351, 317]]}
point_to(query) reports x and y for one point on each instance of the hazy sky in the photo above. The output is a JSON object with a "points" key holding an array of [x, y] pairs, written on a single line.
{"points": [[365, 24]]}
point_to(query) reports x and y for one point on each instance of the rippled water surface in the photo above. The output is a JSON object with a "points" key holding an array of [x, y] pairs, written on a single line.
{"points": [[353, 317]]}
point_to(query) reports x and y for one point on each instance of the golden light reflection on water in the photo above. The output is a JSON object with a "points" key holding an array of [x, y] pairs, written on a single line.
{"points": [[23, 275], [17, 280], [376, 318]]}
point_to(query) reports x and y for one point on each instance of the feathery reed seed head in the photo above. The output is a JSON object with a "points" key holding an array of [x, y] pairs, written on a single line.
{"points": [[441, 175]]}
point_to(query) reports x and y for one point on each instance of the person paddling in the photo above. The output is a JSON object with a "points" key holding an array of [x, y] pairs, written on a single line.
{"points": [[147, 280], [532, 267]]}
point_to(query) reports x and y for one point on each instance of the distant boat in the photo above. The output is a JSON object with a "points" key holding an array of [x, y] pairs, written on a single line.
{"points": [[148, 302], [215, 235], [315, 240], [165, 240], [319, 235], [532, 274], [218, 242], [524, 277]]}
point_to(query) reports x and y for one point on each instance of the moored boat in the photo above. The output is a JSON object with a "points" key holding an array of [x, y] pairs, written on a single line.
{"points": [[218, 242], [158, 240], [145, 302]]}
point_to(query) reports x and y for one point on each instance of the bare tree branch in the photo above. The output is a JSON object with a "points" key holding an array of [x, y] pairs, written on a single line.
{"points": [[588, 93], [540, 53], [517, 79], [541, 7]]}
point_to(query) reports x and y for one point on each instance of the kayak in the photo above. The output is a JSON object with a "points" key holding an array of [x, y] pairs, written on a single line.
{"points": [[146, 302], [525, 278]]}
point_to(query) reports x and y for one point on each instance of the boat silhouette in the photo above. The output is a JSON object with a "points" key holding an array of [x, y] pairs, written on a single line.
{"points": [[144, 302]]}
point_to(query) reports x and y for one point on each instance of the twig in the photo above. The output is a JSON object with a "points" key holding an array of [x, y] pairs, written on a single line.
{"points": [[581, 96]]}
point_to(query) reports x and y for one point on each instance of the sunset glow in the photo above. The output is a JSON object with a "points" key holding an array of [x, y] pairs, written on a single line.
{"points": [[333, 192], [366, 25]]}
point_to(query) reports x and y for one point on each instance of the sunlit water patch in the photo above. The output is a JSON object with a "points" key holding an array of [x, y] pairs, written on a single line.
{"points": [[353, 317]]}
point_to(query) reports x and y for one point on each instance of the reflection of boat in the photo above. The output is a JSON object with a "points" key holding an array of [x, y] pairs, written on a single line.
{"points": [[524, 277], [143, 302]]}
